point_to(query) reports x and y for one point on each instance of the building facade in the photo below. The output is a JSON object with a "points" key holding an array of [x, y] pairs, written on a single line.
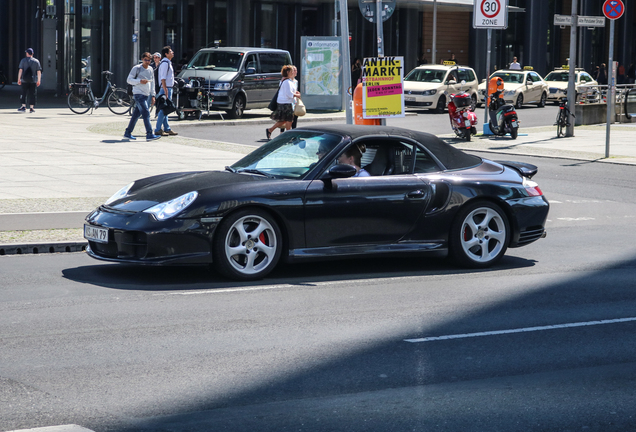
{"points": [[75, 39]]}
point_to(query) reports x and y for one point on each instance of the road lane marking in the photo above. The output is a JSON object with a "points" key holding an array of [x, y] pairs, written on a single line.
{"points": [[520, 330]]}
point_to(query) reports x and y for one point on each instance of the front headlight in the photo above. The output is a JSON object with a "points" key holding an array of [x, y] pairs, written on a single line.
{"points": [[223, 86], [509, 93], [170, 208], [119, 194], [429, 92]]}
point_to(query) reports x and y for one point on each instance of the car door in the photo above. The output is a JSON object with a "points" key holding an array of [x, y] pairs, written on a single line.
{"points": [[252, 81], [271, 65], [380, 209]]}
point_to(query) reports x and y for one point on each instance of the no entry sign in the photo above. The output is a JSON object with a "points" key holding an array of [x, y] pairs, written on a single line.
{"points": [[613, 9], [490, 14]]}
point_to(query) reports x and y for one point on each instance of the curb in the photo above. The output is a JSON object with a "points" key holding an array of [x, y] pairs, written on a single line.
{"points": [[43, 247]]}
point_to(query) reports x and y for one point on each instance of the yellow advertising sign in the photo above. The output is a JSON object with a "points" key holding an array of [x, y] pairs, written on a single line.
{"points": [[382, 81]]}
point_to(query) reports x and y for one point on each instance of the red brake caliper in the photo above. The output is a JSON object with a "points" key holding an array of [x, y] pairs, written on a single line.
{"points": [[262, 239]]}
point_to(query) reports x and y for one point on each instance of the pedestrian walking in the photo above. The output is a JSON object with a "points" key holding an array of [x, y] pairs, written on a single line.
{"points": [[156, 57], [284, 113], [29, 78], [141, 77], [631, 74], [515, 64], [602, 75], [295, 81], [166, 80]]}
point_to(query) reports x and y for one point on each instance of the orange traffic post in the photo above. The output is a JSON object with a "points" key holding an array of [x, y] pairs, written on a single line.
{"points": [[357, 109]]}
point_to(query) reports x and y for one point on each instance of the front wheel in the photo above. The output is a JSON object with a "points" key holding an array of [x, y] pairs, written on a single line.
{"points": [[467, 134], [119, 102], [441, 104], [247, 245], [238, 107], [79, 104], [479, 236], [519, 102]]}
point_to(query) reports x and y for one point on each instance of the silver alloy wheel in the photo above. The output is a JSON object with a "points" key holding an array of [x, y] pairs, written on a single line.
{"points": [[483, 235], [251, 244]]}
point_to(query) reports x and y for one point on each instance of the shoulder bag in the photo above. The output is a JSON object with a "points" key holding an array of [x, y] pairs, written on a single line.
{"points": [[273, 104], [299, 109]]}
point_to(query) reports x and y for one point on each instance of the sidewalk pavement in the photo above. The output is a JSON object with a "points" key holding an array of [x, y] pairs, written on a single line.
{"points": [[56, 166]]}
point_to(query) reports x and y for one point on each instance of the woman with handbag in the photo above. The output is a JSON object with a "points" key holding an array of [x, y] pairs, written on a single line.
{"points": [[299, 106], [284, 113]]}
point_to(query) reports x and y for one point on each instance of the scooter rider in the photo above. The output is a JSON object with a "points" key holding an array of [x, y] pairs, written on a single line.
{"points": [[495, 91]]}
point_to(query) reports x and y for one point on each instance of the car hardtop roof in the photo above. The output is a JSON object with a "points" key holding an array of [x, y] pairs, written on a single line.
{"points": [[512, 70], [438, 66], [244, 49], [448, 155], [561, 69]]}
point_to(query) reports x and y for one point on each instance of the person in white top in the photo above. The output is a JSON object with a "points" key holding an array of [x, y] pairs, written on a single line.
{"points": [[284, 113], [514, 65], [353, 156]]}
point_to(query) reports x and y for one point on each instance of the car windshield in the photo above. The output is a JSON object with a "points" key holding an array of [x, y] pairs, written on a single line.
{"points": [[426, 75], [217, 60], [558, 76], [514, 78], [290, 155]]}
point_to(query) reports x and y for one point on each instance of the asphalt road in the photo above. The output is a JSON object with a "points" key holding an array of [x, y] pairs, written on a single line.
{"points": [[323, 346], [420, 120]]}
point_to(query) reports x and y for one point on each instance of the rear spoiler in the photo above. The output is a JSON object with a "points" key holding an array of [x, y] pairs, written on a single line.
{"points": [[525, 169]]}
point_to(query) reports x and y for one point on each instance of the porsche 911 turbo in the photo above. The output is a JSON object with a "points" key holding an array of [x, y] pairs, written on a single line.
{"points": [[292, 200]]}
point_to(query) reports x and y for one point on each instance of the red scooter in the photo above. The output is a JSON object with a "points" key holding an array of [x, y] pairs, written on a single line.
{"points": [[462, 117]]}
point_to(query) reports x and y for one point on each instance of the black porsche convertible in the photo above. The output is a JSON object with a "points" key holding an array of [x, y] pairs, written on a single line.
{"points": [[292, 199]]}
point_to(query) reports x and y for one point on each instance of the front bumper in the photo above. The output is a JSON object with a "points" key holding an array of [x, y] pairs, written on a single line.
{"points": [[412, 99], [139, 238]]}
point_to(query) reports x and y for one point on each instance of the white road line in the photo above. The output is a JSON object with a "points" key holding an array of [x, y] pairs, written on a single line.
{"points": [[520, 330]]}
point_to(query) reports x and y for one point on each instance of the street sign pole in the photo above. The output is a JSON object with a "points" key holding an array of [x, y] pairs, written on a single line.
{"points": [[610, 90], [346, 61], [485, 125], [569, 131], [378, 21]]}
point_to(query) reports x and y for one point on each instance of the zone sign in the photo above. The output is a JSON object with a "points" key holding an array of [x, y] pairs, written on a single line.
{"points": [[490, 14]]}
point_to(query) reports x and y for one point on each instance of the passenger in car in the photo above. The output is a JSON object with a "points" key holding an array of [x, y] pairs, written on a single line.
{"points": [[353, 156]]}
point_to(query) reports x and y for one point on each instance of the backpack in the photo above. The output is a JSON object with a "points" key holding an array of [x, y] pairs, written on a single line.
{"points": [[129, 89], [27, 74]]}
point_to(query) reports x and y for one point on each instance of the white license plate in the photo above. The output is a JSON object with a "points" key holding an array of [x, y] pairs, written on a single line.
{"points": [[409, 98], [514, 123], [96, 234], [467, 123]]}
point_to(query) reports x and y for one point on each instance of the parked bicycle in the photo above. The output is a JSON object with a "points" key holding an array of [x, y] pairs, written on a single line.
{"points": [[81, 97], [563, 117]]}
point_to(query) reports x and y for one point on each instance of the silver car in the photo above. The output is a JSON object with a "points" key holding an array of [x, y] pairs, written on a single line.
{"points": [[237, 79]]}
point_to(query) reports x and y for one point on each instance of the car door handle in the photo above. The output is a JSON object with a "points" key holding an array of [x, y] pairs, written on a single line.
{"points": [[415, 194]]}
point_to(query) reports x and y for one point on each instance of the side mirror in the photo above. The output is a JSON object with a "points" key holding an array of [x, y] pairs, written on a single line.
{"points": [[342, 171], [483, 80], [451, 82], [530, 82], [250, 71]]}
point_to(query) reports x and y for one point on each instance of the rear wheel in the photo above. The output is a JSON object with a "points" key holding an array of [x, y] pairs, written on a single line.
{"points": [[479, 236], [247, 245], [514, 132], [120, 102], [561, 124], [79, 104], [541, 103]]}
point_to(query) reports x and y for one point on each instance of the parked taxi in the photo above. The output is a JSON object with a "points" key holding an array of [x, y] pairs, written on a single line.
{"points": [[430, 85], [558, 81], [520, 87]]}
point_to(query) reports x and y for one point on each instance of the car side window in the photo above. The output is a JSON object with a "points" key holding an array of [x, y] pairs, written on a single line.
{"points": [[424, 162], [535, 77], [251, 62], [272, 62], [384, 157]]}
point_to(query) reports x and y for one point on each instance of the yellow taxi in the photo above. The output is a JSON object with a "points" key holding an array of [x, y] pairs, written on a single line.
{"points": [[431, 85], [520, 87], [584, 84]]}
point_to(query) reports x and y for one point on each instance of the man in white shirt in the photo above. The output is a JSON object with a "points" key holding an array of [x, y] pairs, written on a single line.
{"points": [[141, 78], [166, 81], [514, 65]]}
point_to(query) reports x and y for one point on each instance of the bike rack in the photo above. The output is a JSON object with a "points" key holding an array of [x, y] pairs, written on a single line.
{"points": [[630, 103]]}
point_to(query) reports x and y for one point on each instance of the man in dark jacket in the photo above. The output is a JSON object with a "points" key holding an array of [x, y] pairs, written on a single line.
{"points": [[29, 77]]}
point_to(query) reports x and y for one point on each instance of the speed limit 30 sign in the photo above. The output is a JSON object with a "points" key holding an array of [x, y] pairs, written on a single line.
{"points": [[490, 14]]}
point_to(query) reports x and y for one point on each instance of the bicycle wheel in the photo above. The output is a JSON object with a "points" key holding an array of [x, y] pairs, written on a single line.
{"points": [[79, 104], [561, 124], [3, 81], [119, 102]]}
